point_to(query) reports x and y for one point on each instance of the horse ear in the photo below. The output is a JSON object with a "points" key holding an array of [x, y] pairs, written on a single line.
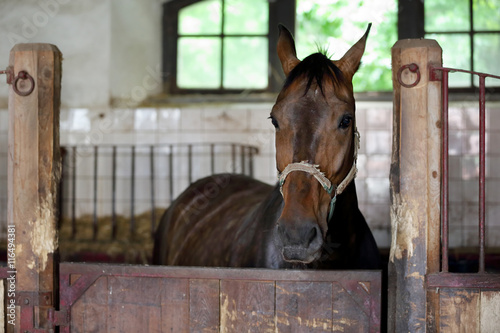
{"points": [[349, 63], [286, 50]]}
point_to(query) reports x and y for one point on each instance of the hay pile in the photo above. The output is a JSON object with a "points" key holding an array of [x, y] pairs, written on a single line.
{"points": [[127, 247]]}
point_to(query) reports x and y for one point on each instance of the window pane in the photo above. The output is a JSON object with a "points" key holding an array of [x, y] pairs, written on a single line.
{"points": [[447, 15], [486, 14], [245, 62], [456, 54], [203, 17], [198, 62], [486, 56], [246, 17]]}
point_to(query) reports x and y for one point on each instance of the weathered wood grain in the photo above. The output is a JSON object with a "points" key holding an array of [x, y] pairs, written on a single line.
{"points": [[304, 306], [204, 305], [459, 310], [247, 306], [186, 299], [415, 185], [33, 177]]}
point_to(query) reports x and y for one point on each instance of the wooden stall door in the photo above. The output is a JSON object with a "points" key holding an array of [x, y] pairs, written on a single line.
{"points": [[188, 299]]}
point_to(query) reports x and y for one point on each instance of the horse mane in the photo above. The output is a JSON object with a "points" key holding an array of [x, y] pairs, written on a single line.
{"points": [[316, 67]]}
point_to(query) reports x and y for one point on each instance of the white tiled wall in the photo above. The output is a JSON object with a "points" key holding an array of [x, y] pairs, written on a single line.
{"points": [[248, 124]]}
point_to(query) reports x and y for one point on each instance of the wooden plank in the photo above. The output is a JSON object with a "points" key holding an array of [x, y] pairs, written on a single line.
{"points": [[490, 311], [2, 308], [349, 315], [124, 304], [246, 306], [459, 310], [90, 312], [415, 186], [174, 305], [134, 306], [254, 274], [33, 176], [304, 306], [219, 300], [204, 305]]}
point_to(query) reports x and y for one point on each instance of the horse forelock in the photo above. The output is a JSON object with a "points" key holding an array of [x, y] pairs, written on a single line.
{"points": [[316, 68]]}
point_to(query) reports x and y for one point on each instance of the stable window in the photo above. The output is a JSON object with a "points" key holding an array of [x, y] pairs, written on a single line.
{"points": [[469, 33], [222, 46], [228, 46]]}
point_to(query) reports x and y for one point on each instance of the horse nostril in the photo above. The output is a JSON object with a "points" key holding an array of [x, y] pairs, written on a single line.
{"points": [[314, 237], [311, 236]]}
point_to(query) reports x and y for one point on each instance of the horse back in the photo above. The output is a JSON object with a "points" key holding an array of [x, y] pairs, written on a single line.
{"points": [[203, 226]]}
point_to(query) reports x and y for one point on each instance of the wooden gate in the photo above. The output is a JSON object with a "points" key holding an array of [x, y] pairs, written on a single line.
{"points": [[43, 295], [423, 295]]}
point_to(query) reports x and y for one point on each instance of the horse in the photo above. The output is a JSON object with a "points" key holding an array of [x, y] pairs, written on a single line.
{"points": [[311, 218]]}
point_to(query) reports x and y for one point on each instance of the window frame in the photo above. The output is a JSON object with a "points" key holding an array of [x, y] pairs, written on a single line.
{"points": [[282, 11], [411, 24]]}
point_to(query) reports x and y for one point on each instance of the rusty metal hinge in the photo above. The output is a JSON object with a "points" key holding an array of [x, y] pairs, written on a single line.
{"points": [[58, 318], [38, 313]]}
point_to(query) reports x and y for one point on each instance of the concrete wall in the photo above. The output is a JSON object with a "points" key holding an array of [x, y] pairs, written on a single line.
{"points": [[111, 48]]}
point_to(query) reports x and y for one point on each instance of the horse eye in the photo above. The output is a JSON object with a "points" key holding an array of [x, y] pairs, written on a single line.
{"points": [[274, 122], [345, 122]]}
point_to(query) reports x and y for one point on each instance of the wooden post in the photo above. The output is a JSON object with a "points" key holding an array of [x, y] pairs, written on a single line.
{"points": [[33, 174], [415, 187]]}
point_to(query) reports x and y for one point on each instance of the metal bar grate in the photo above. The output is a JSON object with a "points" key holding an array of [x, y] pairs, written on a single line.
{"points": [[445, 185], [442, 73], [118, 169], [482, 171]]}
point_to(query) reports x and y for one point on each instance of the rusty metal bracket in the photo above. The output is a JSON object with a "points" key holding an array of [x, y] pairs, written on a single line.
{"points": [[412, 68], [9, 71], [37, 312], [32, 298], [435, 73], [12, 79]]}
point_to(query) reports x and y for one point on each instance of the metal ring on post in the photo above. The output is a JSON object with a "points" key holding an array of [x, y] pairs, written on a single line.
{"points": [[23, 75], [412, 68]]}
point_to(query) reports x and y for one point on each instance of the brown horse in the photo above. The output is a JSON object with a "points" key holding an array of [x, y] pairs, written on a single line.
{"points": [[311, 217]]}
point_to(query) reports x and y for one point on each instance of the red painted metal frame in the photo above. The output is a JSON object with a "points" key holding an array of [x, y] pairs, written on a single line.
{"points": [[464, 280], [441, 74]]}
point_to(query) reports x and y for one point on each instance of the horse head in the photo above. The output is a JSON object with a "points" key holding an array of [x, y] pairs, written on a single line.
{"points": [[316, 144]]}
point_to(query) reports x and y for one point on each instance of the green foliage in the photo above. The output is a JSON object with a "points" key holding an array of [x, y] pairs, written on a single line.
{"points": [[336, 25]]}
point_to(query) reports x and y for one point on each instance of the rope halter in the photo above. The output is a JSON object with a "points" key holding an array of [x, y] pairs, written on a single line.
{"points": [[314, 170]]}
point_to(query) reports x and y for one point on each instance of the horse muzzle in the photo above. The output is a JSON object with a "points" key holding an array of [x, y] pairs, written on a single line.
{"points": [[301, 244]]}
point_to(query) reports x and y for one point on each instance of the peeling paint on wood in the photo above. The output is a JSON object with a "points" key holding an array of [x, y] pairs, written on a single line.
{"points": [[490, 311], [44, 233], [404, 227]]}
